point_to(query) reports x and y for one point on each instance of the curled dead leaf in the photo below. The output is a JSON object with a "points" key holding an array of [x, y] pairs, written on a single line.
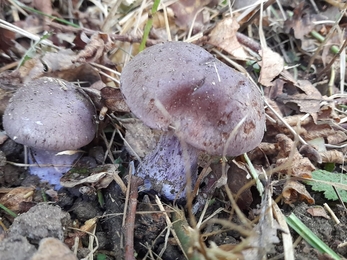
{"points": [[294, 191], [99, 44]]}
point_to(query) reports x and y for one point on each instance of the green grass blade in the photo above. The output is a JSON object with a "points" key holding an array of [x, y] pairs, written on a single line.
{"points": [[8, 211], [148, 25], [309, 236]]}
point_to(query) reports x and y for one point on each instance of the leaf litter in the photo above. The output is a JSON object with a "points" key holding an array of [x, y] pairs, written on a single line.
{"points": [[302, 80]]}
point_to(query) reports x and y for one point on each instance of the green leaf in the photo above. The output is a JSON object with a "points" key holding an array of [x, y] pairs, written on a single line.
{"points": [[322, 177]]}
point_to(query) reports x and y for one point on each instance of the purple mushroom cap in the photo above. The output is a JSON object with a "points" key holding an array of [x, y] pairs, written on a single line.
{"points": [[205, 98]]}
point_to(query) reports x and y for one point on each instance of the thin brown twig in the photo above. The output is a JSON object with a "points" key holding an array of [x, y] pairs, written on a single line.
{"points": [[130, 220]]}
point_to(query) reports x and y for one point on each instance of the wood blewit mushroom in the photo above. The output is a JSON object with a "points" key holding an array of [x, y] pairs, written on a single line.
{"points": [[193, 98], [49, 116]]}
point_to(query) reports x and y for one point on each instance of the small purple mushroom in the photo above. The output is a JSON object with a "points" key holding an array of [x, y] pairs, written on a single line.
{"points": [[50, 116], [195, 99]]}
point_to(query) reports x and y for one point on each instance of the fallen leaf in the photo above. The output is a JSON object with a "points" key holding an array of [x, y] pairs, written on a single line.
{"points": [[297, 165], [310, 152], [100, 176], [6, 39], [318, 211], [224, 36], [337, 138], [302, 22], [99, 44], [333, 156], [185, 12], [9, 83], [89, 225], [271, 66], [294, 191], [237, 180], [113, 99]]}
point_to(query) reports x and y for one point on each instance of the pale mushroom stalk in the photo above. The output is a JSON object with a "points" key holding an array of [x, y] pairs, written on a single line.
{"points": [[167, 162], [50, 165]]}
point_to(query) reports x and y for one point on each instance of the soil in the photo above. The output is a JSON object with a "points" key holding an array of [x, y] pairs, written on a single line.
{"points": [[54, 218]]}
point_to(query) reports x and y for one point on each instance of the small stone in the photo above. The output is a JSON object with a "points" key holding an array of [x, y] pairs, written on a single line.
{"points": [[52, 248]]}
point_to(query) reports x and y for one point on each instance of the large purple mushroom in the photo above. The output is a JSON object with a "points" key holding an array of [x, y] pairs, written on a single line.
{"points": [[197, 101], [50, 116]]}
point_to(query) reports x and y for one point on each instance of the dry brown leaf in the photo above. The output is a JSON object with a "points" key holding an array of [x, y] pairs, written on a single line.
{"points": [[99, 44], [46, 8], [318, 211], [298, 165], [302, 22], [237, 179], [337, 138], [113, 99], [294, 191], [333, 156], [100, 177], [224, 36], [328, 113], [185, 12], [16, 197], [49, 64], [271, 66], [6, 39], [89, 225], [309, 101], [59, 65]]}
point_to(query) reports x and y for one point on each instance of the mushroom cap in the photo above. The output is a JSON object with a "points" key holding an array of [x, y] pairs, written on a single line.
{"points": [[204, 98], [50, 114]]}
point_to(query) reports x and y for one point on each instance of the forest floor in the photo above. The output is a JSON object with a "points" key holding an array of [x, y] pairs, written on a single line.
{"points": [[285, 199]]}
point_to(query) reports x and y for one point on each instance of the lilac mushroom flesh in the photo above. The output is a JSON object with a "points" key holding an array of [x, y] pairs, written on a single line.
{"points": [[181, 86], [49, 116]]}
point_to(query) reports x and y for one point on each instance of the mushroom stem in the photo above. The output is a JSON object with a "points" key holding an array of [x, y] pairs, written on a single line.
{"points": [[167, 167], [50, 166]]}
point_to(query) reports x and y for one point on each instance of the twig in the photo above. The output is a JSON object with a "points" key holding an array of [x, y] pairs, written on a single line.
{"points": [[135, 182], [332, 214]]}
